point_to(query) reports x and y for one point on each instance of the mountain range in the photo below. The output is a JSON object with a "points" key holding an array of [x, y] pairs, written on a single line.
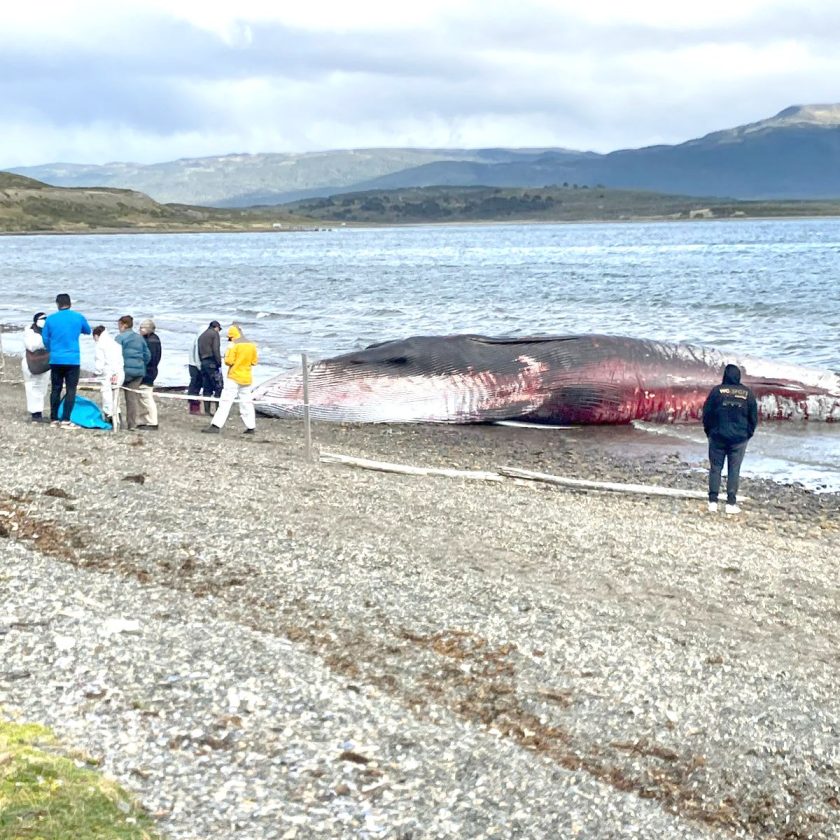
{"points": [[793, 155]]}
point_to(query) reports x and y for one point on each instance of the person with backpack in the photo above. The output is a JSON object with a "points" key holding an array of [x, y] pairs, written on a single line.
{"points": [[208, 349], [35, 367], [730, 417]]}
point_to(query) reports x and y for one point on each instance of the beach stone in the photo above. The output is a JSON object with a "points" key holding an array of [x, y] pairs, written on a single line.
{"points": [[491, 659]]}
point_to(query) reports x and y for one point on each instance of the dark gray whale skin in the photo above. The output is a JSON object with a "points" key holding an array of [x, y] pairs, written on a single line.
{"points": [[567, 379]]}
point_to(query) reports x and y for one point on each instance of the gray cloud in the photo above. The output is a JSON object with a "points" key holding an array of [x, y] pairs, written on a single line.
{"points": [[507, 77]]}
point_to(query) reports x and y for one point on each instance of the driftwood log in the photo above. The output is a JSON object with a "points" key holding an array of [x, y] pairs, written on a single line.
{"points": [[512, 472]]}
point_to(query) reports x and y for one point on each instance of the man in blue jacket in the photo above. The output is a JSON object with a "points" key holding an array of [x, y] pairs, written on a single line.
{"points": [[730, 415], [61, 337]]}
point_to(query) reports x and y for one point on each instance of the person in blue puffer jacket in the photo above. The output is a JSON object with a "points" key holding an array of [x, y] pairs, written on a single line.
{"points": [[136, 356]]}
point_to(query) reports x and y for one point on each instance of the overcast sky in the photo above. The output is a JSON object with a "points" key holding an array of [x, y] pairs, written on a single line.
{"points": [[155, 80]]}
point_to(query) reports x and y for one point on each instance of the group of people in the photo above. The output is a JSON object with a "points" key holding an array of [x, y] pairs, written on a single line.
{"points": [[128, 363]]}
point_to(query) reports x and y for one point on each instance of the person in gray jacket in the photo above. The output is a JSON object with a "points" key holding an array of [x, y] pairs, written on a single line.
{"points": [[136, 356], [209, 350]]}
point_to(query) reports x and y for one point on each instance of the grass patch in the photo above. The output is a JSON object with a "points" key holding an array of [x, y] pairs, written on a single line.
{"points": [[45, 796]]}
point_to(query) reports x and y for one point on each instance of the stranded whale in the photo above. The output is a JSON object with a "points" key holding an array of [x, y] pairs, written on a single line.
{"points": [[581, 379]]}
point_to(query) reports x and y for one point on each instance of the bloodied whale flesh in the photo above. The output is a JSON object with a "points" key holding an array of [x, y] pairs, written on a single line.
{"points": [[570, 379]]}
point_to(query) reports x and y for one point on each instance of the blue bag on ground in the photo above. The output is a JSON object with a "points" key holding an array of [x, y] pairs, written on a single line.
{"points": [[86, 414]]}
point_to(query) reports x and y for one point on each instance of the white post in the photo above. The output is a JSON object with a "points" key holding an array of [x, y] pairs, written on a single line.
{"points": [[2, 358], [306, 427]]}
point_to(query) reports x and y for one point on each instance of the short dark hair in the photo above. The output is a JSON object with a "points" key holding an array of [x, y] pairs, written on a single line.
{"points": [[99, 330], [62, 301], [127, 321]]}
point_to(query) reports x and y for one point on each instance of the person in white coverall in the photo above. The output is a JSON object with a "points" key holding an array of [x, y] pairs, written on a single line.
{"points": [[35, 367], [108, 363]]}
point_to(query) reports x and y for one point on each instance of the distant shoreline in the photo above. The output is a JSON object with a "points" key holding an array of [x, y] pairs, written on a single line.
{"points": [[462, 223]]}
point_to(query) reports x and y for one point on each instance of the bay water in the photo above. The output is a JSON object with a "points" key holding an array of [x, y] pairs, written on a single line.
{"points": [[767, 288]]}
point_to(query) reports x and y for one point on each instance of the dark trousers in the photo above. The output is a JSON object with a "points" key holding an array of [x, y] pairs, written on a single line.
{"points": [[195, 386], [66, 376], [211, 382], [734, 455]]}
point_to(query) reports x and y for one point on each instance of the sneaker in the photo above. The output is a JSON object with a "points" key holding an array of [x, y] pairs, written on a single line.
{"points": [[67, 424], [147, 428], [712, 507], [249, 431], [211, 430], [55, 422], [730, 509]]}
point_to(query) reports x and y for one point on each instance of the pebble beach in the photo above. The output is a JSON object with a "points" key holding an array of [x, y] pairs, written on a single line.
{"points": [[260, 646]]}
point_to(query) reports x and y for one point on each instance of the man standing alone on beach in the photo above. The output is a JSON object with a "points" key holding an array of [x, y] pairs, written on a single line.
{"points": [[60, 335], [240, 359], [730, 415]]}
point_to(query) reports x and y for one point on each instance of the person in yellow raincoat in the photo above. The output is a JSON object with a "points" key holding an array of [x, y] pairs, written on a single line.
{"points": [[240, 359]]}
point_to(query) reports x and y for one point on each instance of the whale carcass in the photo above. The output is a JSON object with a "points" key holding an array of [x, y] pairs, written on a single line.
{"points": [[570, 379]]}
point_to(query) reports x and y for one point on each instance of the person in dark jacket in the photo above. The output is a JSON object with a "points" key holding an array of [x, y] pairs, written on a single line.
{"points": [[210, 357], [730, 416], [136, 356], [147, 415]]}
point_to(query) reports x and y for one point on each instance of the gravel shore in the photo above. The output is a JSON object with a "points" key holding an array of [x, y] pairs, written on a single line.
{"points": [[262, 647]]}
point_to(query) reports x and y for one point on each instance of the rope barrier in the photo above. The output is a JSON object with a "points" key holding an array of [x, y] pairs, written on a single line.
{"points": [[189, 397]]}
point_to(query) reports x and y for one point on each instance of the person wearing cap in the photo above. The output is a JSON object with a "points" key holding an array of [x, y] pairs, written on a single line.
{"points": [[136, 356], [35, 367], [209, 351], [147, 414], [60, 335], [240, 359]]}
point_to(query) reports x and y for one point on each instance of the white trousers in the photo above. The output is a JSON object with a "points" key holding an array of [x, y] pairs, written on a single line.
{"points": [[230, 392], [147, 413], [107, 392], [35, 386]]}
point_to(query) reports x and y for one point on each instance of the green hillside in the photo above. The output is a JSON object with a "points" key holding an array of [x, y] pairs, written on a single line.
{"points": [[559, 203], [29, 206]]}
